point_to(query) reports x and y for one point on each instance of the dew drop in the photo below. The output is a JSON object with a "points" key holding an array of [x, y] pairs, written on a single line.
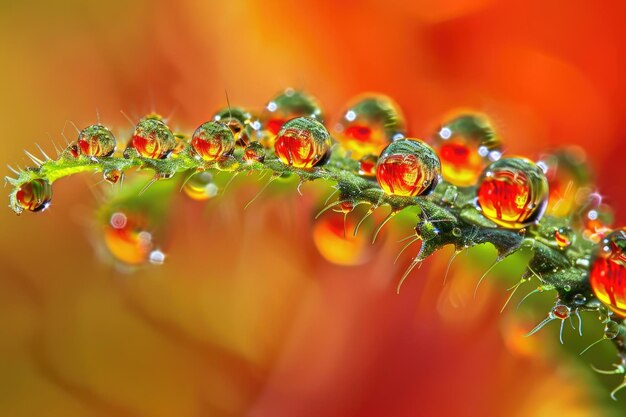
{"points": [[607, 276], [112, 175], [34, 196], [254, 152], [213, 140], [466, 144], [286, 106], [512, 192], [200, 187], [369, 124], [303, 143], [367, 165], [408, 167], [567, 175], [126, 239], [96, 141], [153, 139]]}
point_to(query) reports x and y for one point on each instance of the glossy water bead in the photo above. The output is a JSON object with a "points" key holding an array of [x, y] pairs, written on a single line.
{"points": [[466, 144], [568, 179], [370, 123], [303, 143], [200, 187], [238, 120], [34, 195], [96, 141], [126, 240], [513, 192], [408, 167], [152, 138], [289, 105], [608, 272], [213, 140]]}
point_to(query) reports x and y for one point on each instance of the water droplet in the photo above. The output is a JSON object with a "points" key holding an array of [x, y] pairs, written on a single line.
{"points": [[564, 237], [611, 330], [238, 120], [289, 105], [595, 218], [560, 311], [567, 288], [466, 144], [34, 195], [336, 242], [254, 152], [200, 187], [153, 139], [513, 192], [96, 141], [127, 240], [157, 257], [607, 276], [369, 124], [579, 299], [567, 174], [213, 140], [303, 143], [367, 165], [457, 232], [228, 163], [112, 175], [408, 167]]}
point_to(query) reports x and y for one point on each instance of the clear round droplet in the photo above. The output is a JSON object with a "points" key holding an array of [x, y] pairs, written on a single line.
{"points": [[303, 143], [408, 167], [512, 192], [153, 139], [96, 141], [254, 152], [34, 196], [112, 176], [212, 141], [607, 276]]}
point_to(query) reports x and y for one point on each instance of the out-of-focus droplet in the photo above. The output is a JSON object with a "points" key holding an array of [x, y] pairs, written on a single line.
{"points": [[408, 167], [370, 123], [254, 152], [112, 175], [213, 140], [608, 272], [34, 195], [466, 144], [513, 192], [157, 257], [289, 105], [96, 141], [564, 237], [595, 218], [153, 139], [367, 165], [339, 246], [200, 187], [303, 143], [568, 176], [127, 240], [238, 120]]}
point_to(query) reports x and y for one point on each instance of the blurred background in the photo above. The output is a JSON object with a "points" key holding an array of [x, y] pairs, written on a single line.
{"points": [[246, 317]]}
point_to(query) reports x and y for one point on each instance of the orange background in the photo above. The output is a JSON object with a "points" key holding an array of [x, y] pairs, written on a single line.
{"points": [[246, 318]]}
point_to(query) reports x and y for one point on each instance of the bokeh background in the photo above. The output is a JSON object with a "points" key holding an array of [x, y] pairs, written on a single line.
{"points": [[246, 317]]}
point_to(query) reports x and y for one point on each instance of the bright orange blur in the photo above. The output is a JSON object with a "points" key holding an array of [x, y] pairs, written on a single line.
{"points": [[245, 318]]}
